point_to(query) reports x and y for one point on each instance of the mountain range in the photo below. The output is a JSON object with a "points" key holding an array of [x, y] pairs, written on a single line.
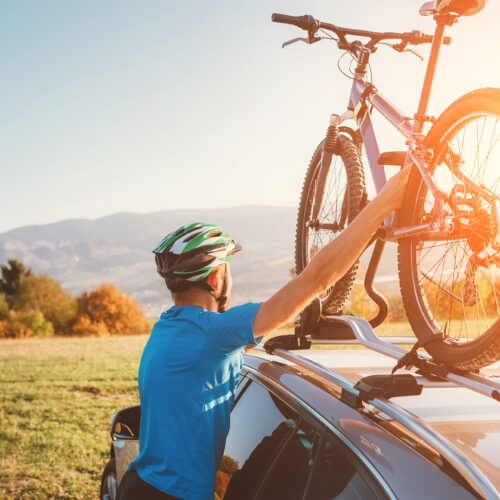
{"points": [[81, 253]]}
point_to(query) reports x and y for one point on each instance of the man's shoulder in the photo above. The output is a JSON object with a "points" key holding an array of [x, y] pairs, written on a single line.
{"points": [[243, 314]]}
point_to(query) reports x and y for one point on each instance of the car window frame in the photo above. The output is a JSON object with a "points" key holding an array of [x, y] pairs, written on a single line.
{"points": [[242, 386]]}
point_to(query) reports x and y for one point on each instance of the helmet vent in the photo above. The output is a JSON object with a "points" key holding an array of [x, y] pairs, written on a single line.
{"points": [[213, 234], [191, 236]]}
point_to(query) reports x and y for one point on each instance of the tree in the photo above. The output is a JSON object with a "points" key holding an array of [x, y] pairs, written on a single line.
{"points": [[12, 274], [42, 293], [4, 306], [107, 309]]}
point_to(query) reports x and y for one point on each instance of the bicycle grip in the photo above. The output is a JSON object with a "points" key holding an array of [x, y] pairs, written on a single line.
{"points": [[305, 22]]}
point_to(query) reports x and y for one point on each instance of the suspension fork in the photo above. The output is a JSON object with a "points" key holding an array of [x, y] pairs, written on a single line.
{"points": [[329, 147]]}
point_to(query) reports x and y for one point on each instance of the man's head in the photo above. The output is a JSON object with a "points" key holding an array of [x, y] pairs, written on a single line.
{"points": [[196, 256]]}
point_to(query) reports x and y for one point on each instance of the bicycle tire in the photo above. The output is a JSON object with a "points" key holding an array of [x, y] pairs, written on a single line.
{"points": [[345, 161], [433, 302]]}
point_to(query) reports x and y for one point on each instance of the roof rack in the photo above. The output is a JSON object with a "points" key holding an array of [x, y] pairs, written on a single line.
{"points": [[356, 330], [377, 393]]}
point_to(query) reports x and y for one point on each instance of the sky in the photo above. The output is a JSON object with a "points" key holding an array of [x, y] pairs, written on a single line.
{"points": [[146, 105]]}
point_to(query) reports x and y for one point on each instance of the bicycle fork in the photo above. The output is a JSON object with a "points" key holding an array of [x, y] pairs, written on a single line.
{"points": [[329, 148]]}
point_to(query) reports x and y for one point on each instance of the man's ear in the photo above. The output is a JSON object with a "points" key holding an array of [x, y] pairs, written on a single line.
{"points": [[216, 278]]}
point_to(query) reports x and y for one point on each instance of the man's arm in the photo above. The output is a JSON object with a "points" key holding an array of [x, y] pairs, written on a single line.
{"points": [[332, 261]]}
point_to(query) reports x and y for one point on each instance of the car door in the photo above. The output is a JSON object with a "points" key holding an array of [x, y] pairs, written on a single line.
{"points": [[277, 450]]}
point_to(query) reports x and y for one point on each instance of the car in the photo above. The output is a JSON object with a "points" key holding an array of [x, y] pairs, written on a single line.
{"points": [[324, 424]]}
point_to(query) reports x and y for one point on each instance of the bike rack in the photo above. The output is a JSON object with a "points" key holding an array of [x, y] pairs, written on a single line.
{"points": [[433, 375], [365, 335]]}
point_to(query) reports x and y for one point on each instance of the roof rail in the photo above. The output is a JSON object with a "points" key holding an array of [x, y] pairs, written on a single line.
{"points": [[451, 455]]}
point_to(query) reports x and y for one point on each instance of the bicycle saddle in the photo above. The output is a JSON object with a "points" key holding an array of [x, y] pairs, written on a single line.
{"points": [[459, 7]]}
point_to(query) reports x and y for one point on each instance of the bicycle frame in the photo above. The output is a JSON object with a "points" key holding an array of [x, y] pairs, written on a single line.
{"points": [[363, 96]]}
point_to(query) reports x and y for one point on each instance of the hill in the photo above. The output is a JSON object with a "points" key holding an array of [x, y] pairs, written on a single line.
{"points": [[81, 253]]}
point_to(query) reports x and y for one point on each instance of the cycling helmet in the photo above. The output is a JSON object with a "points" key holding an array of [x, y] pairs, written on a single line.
{"points": [[188, 255]]}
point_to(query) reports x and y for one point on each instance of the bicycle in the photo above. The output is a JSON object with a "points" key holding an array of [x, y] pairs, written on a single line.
{"points": [[447, 228]]}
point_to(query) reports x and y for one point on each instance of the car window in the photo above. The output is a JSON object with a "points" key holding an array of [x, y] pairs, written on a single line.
{"points": [[260, 422], [336, 475], [288, 476]]}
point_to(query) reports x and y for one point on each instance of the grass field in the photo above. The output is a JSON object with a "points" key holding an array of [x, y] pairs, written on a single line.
{"points": [[56, 399], [55, 402]]}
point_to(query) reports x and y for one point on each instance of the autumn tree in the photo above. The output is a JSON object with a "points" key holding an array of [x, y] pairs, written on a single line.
{"points": [[43, 294], [108, 311]]}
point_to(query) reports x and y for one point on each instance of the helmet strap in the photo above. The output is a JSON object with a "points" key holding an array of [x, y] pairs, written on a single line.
{"points": [[221, 297]]}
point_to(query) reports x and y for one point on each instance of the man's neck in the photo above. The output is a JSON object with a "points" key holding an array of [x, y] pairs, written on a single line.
{"points": [[196, 297]]}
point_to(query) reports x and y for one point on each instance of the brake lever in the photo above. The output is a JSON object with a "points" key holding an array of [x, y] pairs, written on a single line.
{"points": [[300, 39], [414, 52], [403, 47], [311, 39]]}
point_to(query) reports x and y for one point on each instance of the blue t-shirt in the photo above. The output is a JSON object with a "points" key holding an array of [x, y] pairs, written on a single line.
{"points": [[187, 376]]}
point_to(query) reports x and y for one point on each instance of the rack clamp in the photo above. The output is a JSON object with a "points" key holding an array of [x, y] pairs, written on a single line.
{"points": [[288, 342], [381, 386]]}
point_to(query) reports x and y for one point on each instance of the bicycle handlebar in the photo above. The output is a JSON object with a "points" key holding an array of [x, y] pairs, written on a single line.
{"points": [[312, 25]]}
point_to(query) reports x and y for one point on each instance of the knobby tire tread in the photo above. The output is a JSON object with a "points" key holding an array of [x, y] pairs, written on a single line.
{"points": [[351, 159]]}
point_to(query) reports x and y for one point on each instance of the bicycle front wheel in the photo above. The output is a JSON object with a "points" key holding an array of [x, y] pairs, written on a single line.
{"points": [[451, 287], [341, 193]]}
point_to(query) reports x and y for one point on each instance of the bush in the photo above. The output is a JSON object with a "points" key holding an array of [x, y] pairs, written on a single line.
{"points": [[361, 305], [25, 324], [397, 311], [37, 324], [84, 326], [42, 293], [107, 310]]}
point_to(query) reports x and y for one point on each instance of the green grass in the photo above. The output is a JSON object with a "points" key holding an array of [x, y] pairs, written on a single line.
{"points": [[55, 402], [56, 399]]}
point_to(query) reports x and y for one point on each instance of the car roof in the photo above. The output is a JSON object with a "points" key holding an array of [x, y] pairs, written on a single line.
{"points": [[466, 419]]}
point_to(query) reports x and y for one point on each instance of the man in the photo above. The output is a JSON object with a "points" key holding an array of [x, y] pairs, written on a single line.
{"points": [[190, 366]]}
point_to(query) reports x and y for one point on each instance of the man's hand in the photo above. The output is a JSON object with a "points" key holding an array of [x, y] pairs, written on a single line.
{"points": [[394, 189]]}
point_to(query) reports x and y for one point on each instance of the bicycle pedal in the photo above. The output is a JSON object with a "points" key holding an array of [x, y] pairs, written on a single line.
{"points": [[396, 158]]}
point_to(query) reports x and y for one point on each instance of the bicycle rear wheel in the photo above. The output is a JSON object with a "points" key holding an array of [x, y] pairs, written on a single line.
{"points": [[341, 196], [451, 287]]}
